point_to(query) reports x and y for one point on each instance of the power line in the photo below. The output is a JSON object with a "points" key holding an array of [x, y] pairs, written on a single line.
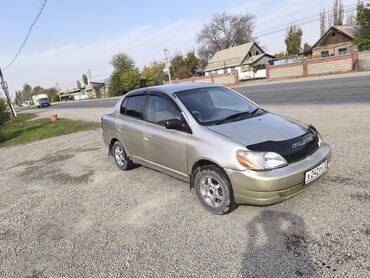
{"points": [[27, 35]]}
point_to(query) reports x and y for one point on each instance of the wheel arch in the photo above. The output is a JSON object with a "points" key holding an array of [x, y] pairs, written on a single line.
{"points": [[199, 164]]}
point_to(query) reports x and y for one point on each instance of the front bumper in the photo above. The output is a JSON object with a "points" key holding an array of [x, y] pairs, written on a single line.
{"points": [[270, 187]]}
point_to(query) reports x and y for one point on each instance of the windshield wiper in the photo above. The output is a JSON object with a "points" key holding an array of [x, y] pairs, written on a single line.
{"points": [[255, 110], [233, 116]]}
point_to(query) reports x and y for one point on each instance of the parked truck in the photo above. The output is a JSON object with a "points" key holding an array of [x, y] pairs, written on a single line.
{"points": [[41, 100]]}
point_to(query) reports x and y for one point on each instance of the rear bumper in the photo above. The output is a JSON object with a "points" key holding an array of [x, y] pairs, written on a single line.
{"points": [[270, 187]]}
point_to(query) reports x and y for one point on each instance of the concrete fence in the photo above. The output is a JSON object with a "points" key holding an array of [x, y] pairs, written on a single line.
{"points": [[315, 67], [364, 60], [227, 79]]}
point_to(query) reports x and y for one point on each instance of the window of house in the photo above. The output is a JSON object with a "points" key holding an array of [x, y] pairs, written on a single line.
{"points": [[324, 53], [135, 107], [333, 34], [342, 51], [256, 52], [249, 54], [232, 69], [161, 109], [225, 70]]}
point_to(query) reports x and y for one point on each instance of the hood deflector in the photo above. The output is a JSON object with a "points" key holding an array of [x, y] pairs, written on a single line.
{"points": [[292, 149]]}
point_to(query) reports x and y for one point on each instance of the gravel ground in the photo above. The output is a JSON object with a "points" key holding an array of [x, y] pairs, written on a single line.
{"points": [[67, 211]]}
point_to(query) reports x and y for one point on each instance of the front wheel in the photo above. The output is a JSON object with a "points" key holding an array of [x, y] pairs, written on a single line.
{"points": [[214, 189], [119, 154]]}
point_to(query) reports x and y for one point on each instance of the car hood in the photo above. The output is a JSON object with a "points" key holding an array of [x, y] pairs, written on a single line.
{"points": [[262, 128]]}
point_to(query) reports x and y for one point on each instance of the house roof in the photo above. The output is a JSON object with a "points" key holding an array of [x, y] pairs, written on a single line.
{"points": [[254, 59], [230, 57], [349, 31]]}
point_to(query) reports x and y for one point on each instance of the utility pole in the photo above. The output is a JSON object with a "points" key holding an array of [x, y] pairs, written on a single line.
{"points": [[167, 67], [89, 73], [4, 85]]}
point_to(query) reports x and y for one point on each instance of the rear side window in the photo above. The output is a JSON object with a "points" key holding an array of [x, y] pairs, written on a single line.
{"points": [[135, 107]]}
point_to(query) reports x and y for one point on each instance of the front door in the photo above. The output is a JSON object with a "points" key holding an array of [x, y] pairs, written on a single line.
{"points": [[166, 148], [130, 127]]}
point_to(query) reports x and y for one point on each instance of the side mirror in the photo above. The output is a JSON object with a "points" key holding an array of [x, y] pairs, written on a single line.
{"points": [[174, 124]]}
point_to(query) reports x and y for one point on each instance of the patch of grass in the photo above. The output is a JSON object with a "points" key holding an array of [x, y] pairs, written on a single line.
{"points": [[25, 129]]}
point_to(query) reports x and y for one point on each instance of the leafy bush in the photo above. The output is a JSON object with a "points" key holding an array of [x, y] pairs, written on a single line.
{"points": [[4, 113]]}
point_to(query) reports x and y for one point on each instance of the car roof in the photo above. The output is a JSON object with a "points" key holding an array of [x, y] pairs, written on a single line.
{"points": [[173, 88]]}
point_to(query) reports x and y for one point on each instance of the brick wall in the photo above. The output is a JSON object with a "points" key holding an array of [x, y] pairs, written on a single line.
{"points": [[364, 60], [227, 79], [314, 67]]}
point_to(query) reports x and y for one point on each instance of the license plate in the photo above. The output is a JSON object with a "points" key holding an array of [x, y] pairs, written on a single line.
{"points": [[316, 172]]}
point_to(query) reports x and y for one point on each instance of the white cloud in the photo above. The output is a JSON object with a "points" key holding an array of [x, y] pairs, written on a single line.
{"points": [[65, 64]]}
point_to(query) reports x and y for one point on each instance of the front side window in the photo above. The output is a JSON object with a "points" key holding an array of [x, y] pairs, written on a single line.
{"points": [[135, 106], [161, 109], [124, 106], [212, 105]]}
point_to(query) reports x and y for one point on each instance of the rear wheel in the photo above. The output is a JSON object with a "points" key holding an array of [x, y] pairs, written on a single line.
{"points": [[119, 154], [214, 189]]}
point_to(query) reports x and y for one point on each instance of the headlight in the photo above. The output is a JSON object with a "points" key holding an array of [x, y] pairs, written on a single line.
{"points": [[320, 141], [260, 160]]}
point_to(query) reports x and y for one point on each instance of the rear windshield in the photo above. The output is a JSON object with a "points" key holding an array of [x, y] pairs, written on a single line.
{"points": [[213, 104]]}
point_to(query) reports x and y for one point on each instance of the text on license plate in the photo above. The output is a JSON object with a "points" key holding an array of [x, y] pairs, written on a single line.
{"points": [[316, 172]]}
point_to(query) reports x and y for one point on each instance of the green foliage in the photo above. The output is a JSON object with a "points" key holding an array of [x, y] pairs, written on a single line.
{"points": [[154, 74], [115, 88], [130, 80], [182, 68], [4, 113], [84, 79], [280, 55], [122, 62], [362, 40], [38, 90], [119, 85], [52, 94], [293, 39], [22, 129], [192, 62], [306, 46]]}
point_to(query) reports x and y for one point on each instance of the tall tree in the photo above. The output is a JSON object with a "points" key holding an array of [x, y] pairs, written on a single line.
{"points": [[176, 63], [130, 80], [338, 12], [38, 90], [322, 21], [192, 62], [27, 91], [78, 83], [154, 74], [306, 46], [224, 31], [293, 40], [362, 38], [122, 62], [84, 79]]}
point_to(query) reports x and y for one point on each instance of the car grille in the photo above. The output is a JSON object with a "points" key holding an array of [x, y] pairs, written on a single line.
{"points": [[290, 149]]}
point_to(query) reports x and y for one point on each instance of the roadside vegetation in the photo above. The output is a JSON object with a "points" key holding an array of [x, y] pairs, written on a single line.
{"points": [[25, 129]]}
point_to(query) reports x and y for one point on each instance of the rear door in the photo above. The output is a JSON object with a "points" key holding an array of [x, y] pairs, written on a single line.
{"points": [[166, 148], [130, 126]]}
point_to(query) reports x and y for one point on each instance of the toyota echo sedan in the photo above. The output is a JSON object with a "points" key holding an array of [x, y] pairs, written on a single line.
{"points": [[228, 148]]}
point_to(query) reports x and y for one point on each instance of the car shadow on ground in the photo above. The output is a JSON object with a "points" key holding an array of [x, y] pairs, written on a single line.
{"points": [[277, 247]]}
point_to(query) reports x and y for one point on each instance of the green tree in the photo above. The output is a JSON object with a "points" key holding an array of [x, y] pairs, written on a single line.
{"points": [[26, 92], [78, 84], [306, 46], [192, 62], [130, 80], [115, 88], [122, 62], [176, 62], [18, 98], [84, 79], [293, 40], [362, 39], [154, 74], [52, 94], [4, 113], [280, 55]]}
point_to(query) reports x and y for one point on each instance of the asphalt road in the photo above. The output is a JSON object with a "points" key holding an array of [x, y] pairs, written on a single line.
{"points": [[355, 89]]}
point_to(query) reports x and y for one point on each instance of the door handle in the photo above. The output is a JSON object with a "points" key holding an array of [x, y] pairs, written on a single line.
{"points": [[120, 129], [147, 137]]}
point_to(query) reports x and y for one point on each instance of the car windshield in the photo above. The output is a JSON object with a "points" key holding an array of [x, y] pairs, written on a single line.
{"points": [[43, 100], [216, 105]]}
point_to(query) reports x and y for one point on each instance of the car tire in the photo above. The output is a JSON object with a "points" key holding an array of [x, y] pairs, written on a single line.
{"points": [[214, 189], [120, 157]]}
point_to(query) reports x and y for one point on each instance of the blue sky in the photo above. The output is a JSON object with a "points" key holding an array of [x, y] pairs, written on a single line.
{"points": [[74, 36]]}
